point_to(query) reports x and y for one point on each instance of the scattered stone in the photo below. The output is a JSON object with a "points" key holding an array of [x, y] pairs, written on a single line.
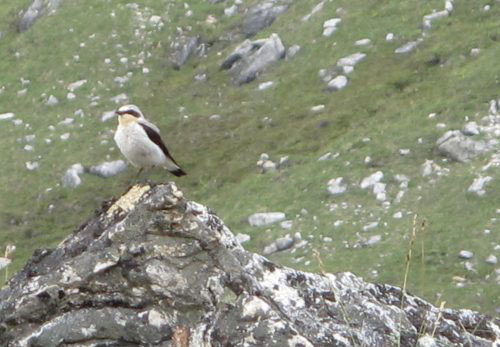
{"points": [[242, 238], [347, 69], [51, 101], [370, 181], [283, 162], [32, 165], [326, 156], [215, 117], [404, 152], [440, 126], [71, 96], [492, 259], [121, 80], [286, 224], [336, 186], [292, 51], [265, 85], [455, 145], [71, 178], [429, 167], [338, 83], [428, 19], [465, 254], [5, 116], [486, 8], [379, 191], [471, 129], [362, 42], [29, 138], [265, 164], [22, 92], [202, 77], [389, 37], [108, 169], [252, 57], [474, 52], [370, 226], [263, 219], [76, 85], [373, 240], [120, 99], [124, 60], [406, 48], [64, 136], [330, 26], [28, 148], [397, 215], [315, 10], [478, 184], [318, 108], [107, 116], [284, 243], [351, 60]]}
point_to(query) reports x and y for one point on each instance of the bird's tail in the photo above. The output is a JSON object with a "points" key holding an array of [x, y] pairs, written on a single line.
{"points": [[178, 172]]}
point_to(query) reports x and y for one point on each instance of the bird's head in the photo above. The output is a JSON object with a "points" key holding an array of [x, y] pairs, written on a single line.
{"points": [[130, 110]]}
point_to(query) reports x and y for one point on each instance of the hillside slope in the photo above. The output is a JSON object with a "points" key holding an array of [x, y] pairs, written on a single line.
{"points": [[388, 118]]}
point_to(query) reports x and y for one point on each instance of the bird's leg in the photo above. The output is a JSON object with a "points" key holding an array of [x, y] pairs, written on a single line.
{"points": [[138, 174]]}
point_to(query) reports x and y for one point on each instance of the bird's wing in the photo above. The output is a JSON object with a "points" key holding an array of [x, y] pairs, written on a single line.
{"points": [[155, 137], [149, 124]]}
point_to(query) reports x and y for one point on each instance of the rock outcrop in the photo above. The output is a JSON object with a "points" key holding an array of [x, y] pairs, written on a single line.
{"points": [[250, 58], [37, 9], [154, 269], [263, 15]]}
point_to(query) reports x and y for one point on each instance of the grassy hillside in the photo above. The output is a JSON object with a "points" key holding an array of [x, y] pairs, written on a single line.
{"points": [[388, 100]]}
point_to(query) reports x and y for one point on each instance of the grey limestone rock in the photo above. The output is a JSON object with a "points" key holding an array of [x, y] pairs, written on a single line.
{"points": [[265, 218], [108, 168], [153, 268], [71, 178], [250, 58], [406, 48], [37, 9], [184, 47], [455, 145], [262, 15]]}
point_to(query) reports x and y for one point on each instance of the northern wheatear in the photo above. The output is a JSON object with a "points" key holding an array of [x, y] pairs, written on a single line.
{"points": [[140, 142]]}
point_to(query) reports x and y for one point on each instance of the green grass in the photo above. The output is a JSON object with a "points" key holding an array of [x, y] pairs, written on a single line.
{"points": [[388, 100]]}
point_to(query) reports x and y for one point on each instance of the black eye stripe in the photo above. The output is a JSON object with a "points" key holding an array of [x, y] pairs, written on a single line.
{"points": [[130, 112], [133, 113]]}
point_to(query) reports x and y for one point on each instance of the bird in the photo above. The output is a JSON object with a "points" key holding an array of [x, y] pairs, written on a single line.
{"points": [[140, 142]]}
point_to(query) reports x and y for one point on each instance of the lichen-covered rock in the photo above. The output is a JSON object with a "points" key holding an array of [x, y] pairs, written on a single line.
{"points": [[152, 268]]}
